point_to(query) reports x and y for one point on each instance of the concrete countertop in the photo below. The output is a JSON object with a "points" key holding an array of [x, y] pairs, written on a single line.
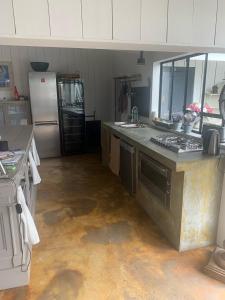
{"points": [[140, 138], [19, 138]]}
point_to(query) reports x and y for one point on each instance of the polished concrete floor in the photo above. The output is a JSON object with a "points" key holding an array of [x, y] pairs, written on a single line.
{"points": [[97, 243]]}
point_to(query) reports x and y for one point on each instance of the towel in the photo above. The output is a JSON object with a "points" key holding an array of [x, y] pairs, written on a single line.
{"points": [[30, 233], [34, 170], [115, 155], [35, 153]]}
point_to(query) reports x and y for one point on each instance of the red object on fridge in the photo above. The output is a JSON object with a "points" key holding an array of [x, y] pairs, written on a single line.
{"points": [[16, 93]]}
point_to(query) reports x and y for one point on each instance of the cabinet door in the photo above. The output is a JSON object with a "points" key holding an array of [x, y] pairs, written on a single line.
{"points": [[154, 20], [204, 22], [97, 19], [6, 250], [10, 240], [2, 116], [31, 18], [105, 144], [6, 18], [65, 18], [16, 114], [180, 21], [220, 26], [126, 20]]}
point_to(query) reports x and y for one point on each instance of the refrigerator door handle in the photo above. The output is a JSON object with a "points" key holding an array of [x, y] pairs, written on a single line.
{"points": [[45, 123]]}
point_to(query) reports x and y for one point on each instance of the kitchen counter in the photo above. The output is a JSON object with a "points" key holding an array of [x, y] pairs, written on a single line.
{"points": [[13, 249], [140, 137], [19, 138], [189, 218]]}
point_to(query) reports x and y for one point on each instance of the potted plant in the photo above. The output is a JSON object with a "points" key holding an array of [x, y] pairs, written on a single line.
{"points": [[177, 120], [189, 120]]}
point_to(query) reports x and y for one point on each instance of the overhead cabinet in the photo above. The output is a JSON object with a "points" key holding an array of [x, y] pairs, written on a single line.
{"points": [[180, 21], [31, 18], [192, 22], [97, 19], [6, 18], [197, 23], [127, 20], [220, 26], [65, 18], [154, 20], [204, 22]]}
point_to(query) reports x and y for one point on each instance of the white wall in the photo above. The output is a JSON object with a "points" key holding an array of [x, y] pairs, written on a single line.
{"points": [[95, 67], [125, 63]]}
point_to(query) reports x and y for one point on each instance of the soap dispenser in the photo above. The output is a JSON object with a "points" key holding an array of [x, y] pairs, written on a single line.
{"points": [[134, 115]]}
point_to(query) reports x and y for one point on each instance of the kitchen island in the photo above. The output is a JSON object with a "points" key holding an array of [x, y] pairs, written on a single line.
{"points": [[180, 192], [15, 255]]}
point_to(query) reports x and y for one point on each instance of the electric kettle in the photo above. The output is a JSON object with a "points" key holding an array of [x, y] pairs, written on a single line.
{"points": [[211, 142]]}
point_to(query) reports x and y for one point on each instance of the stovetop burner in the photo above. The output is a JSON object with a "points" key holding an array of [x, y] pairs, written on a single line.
{"points": [[178, 144]]}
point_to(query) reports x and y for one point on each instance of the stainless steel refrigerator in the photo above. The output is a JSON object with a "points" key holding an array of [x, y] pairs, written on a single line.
{"points": [[44, 107]]}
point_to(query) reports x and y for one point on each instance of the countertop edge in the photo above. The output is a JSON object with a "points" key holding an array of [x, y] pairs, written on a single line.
{"points": [[178, 166]]}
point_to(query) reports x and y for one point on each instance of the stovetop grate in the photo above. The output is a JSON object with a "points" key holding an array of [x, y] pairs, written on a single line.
{"points": [[178, 144]]}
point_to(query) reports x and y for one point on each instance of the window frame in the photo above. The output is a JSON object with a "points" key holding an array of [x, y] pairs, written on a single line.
{"points": [[187, 58]]}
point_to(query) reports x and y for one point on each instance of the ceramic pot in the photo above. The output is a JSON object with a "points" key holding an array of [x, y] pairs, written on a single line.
{"points": [[177, 126], [188, 128]]}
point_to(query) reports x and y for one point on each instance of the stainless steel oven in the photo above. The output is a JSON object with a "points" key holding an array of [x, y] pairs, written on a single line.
{"points": [[156, 178]]}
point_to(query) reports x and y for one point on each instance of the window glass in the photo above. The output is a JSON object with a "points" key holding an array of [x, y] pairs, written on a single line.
{"points": [[166, 88], [179, 84], [215, 80], [214, 121], [186, 84], [195, 82]]}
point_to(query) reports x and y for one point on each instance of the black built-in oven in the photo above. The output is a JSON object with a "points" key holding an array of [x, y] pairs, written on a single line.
{"points": [[156, 178]]}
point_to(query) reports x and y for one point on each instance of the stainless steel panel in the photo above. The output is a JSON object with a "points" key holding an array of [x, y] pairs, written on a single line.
{"points": [[45, 123], [127, 166], [155, 178], [47, 140], [43, 95]]}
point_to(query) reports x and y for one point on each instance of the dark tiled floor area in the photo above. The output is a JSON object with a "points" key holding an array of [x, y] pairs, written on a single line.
{"points": [[97, 243]]}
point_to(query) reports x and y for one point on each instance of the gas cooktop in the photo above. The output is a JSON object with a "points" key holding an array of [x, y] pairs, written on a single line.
{"points": [[177, 143]]}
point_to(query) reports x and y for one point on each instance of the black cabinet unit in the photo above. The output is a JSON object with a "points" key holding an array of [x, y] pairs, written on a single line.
{"points": [[71, 114], [93, 136]]}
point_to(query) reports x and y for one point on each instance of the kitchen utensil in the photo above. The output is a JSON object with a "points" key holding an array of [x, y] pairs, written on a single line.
{"points": [[222, 104], [222, 134], [211, 140]]}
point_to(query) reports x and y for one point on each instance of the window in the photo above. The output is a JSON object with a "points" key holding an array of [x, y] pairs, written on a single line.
{"points": [[193, 82]]}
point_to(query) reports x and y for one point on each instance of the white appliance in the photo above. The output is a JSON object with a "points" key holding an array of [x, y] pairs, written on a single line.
{"points": [[44, 107]]}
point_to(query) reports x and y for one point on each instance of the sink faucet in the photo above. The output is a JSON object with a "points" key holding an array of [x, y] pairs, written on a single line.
{"points": [[134, 114]]}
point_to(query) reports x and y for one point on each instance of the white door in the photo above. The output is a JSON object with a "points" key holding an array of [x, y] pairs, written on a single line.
{"points": [[97, 19], [6, 18], [204, 22], [154, 20], [180, 21], [126, 20], [220, 26], [31, 18], [65, 18]]}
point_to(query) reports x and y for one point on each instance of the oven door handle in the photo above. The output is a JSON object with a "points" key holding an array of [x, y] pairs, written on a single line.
{"points": [[163, 171]]}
